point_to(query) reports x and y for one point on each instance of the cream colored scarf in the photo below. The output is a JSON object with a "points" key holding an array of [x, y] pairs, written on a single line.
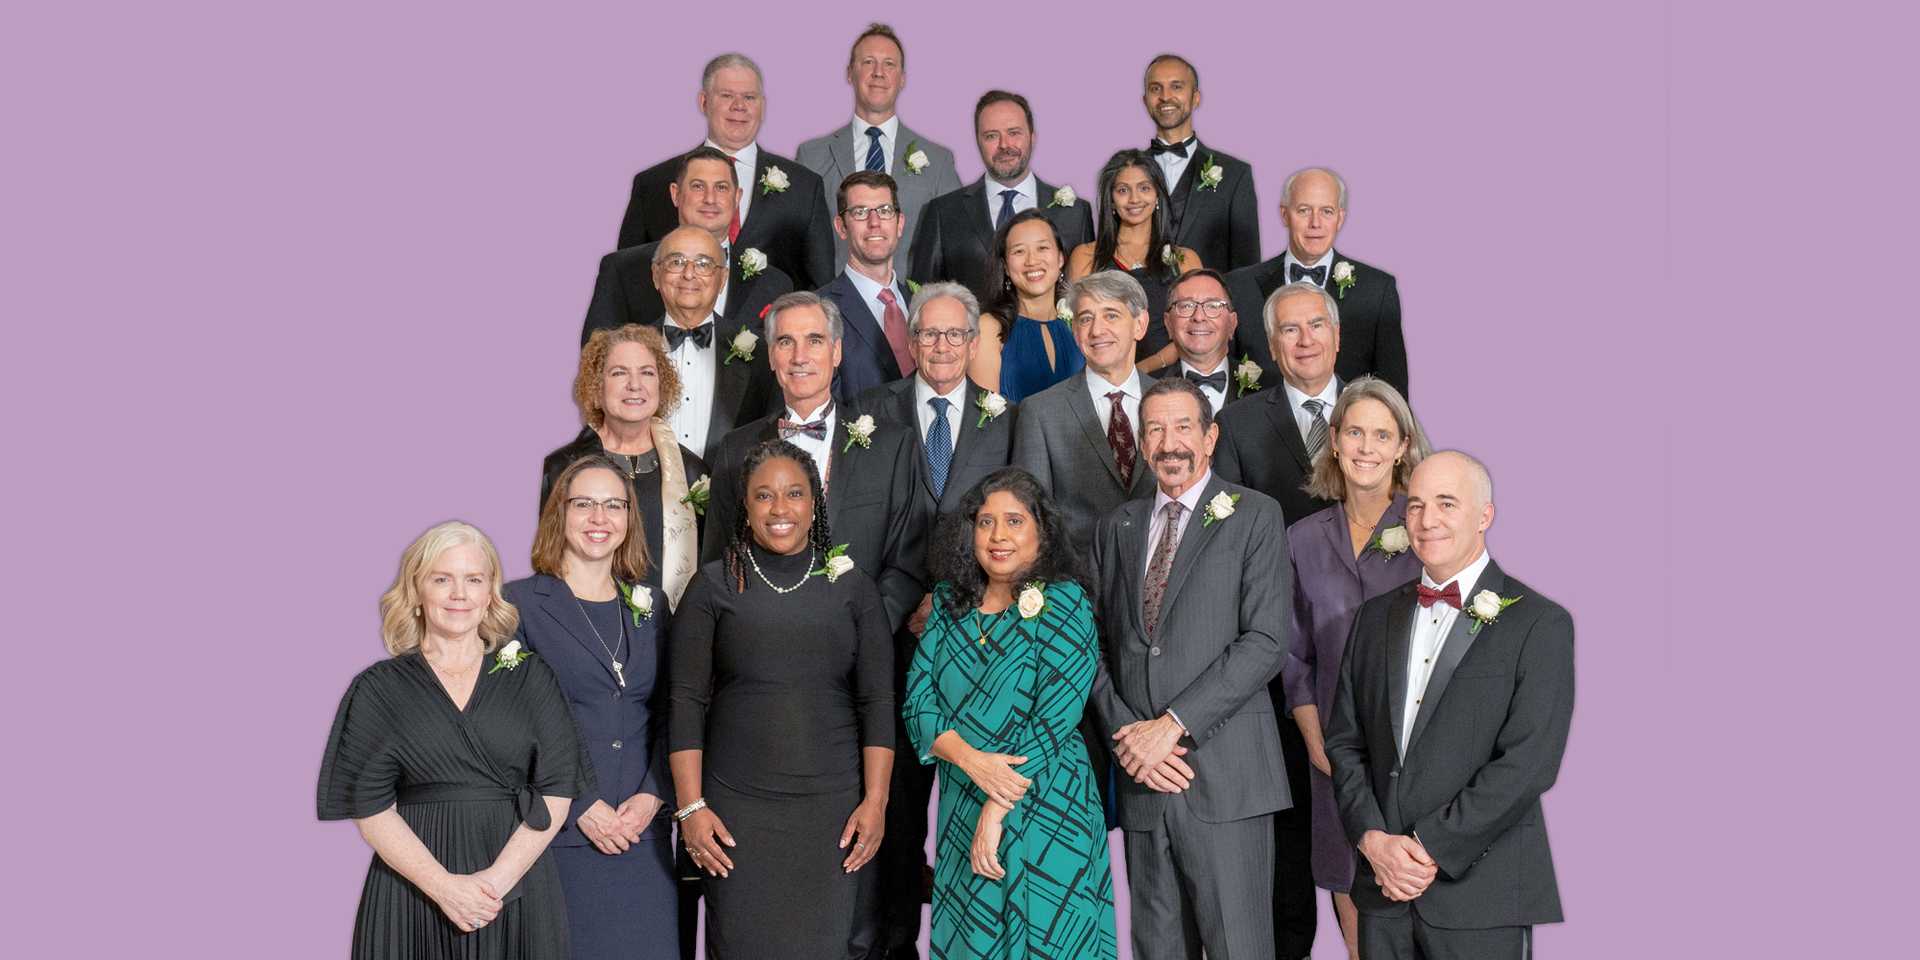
{"points": [[679, 551]]}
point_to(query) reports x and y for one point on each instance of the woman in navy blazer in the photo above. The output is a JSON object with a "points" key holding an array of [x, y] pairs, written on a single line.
{"points": [[1342, 556], [589, 612]]}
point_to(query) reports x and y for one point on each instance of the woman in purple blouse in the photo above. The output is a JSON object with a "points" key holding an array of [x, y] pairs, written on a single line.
{"points": [[1343, 556]]}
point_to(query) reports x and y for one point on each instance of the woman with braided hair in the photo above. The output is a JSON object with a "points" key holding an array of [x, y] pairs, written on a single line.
{"points": [[780, 721]]}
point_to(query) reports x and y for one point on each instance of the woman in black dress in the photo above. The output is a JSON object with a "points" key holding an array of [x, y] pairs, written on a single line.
{"points": [[781, 722], [589, 613], [457, 760], [626, 390], [1135, 236]]}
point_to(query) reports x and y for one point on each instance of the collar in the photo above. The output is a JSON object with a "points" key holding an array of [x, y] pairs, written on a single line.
{"points": [[1466, 578], [824, 412], [1328, 396], [1190, 499], [1029, 188], [923, 391], [1221, 368], [1100, 386], [889, 129], [1191, 142], [749, 154], [869, 290], [1326, 261], [713, 317]]}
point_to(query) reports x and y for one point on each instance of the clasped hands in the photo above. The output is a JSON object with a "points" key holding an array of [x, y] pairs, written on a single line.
{"points": [[1401, 866], [612, 831], [1150, 751], [470, 900]]}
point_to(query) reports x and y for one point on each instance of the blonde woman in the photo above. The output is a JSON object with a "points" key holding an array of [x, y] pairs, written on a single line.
{"points": [[457, 760]]}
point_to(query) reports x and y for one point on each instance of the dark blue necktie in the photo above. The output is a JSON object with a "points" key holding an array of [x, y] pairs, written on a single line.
{"points": [[1319, 274], [939, 445], [1006, 208], [876, 160]]}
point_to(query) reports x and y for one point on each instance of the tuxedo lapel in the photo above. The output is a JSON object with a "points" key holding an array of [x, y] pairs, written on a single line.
{"points": [[1083, 411], [966, 418], [1399, 640], [1135, 526], [730, 384], [1192, 541], [835, 460], [1280, 411], [974, 199], [757, 213], [1459, 640], [839, 154], [558, 603], [908, 414]]}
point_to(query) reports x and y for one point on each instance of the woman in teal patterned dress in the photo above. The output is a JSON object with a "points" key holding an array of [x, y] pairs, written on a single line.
{"points": [[995, 695]]}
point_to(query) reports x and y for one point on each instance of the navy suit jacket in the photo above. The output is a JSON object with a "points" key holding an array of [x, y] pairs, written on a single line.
{"points": [[623, 731], [866, 359]]}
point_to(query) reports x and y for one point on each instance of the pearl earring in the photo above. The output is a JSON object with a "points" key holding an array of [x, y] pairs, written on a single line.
{"points": [[416, 612]]}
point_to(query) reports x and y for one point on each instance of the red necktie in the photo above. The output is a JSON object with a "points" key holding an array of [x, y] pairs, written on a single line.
{"points": [[1120, 438], [1448, 595], [733, 229], [894, 323]]}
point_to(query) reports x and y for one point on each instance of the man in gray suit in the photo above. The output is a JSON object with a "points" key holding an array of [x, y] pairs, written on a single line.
{"points": [[877, 140], [1195, 594], [1078, 436]]}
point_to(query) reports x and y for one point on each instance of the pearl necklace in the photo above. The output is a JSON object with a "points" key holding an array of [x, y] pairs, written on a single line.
{"points": [[776, 587]]}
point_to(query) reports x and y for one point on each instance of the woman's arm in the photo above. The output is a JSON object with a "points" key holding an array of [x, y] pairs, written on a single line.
{"points": [[470, 901], [524, 847], [1080, 262], [985, 366]]}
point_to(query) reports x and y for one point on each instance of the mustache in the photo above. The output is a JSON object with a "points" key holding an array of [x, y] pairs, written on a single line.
{"points": [[1166, 455]]}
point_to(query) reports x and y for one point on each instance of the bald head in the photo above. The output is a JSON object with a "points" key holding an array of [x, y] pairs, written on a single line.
{"points": [[1449, 508], [1314, 208], [678, 262]]}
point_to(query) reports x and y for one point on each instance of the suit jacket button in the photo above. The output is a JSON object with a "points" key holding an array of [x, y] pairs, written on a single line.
{"points": [[1394, 773], [616, 744], [1155, 651]]}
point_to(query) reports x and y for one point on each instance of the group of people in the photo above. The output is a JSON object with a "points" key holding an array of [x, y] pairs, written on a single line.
{"points": [[1095, 523]]}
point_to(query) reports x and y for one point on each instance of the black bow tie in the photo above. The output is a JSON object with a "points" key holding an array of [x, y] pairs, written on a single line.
{"points": [[1157, 148], [1319, 274], [676, 335], [1216, 379]]}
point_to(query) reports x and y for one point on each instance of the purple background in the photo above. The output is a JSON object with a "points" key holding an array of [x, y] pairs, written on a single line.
{"points": [[287, 287]]}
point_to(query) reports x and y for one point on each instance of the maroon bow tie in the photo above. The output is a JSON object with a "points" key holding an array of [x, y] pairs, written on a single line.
{"points": [[1449, 595]]}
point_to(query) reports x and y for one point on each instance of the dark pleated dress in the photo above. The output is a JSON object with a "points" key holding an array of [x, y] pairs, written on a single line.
{"points": [[1024, 370], [463, 781]]}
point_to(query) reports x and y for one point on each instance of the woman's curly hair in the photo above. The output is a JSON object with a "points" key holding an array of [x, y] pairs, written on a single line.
{"points": [[952, 558], [740, 539]]}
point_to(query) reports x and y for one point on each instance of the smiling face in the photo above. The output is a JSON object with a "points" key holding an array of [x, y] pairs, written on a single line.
{"points": [[1171, 97], [1368, 444], [1305, 342], [780, 506], [1106, 333], [1006, 143], [873, 240], [1200, 337], [596, 515], [1006, 538], [706, 195], [734, 107], [1447, 516], [878, 74], [941, 364], [1134, 198], [804, 355], [630, 384], [455, 591], [1034, 261], [1174, 442], [1313, 216], [688, 295]]}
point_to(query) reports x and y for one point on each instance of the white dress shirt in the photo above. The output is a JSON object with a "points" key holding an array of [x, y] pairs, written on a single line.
{"points": [[1304, 420], [1175, 165], [820, 450], [1028, 199], [743, 163], [699, 369], [889, 139], [1430, 628], [870, 295], [923, 392], [1218, 397], [1287, 262], [726, 279], [1098, 387]]}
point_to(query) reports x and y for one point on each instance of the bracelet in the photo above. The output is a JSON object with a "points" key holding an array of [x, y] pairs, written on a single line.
{"points": [[681, 815]]}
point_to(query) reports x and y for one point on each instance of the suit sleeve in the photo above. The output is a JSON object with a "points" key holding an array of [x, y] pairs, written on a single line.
{"points": [[1243, 226], [820, 243], [1226, 459], [633, 226], [903, 574], [873, 668], [723, 505], [1108, 707], [1030, 451], [658, 781], [1346, 746], [690, 665], [1389, 344], [1296, 672], [925, 721], [608, 304], [925, 263], [1249, 663], [1083, 223], [1526, 753]]}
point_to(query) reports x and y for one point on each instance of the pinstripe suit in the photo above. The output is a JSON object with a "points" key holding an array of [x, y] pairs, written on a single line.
{"points": [[1200, 863]]}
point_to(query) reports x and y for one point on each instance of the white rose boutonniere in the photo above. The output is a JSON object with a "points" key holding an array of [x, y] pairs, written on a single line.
{"points": [[1342, 278], [698, 495], [510, 656], [1063, 310], [1486, 607], [1393, 541], [836, 565], [1064, 197], [861, 432], [916, 157], [1170, 255], [1219, 508], [1033, 600], [1246, 376], [752, 261], [991, 406], [774, 181], [1211, 174], [639, 601], [742, 347]]}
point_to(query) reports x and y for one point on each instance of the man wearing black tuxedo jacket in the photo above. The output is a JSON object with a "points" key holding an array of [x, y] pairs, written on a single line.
{"points": [[782, 205], [1211, 208], [704, 195], [872, 502], [872, 298], [1314, 208], [1201, 321], [954, 240], [1449, 722]]}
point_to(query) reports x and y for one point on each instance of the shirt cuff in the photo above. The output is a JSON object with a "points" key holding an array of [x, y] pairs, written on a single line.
{"points": [[1182, 723]]}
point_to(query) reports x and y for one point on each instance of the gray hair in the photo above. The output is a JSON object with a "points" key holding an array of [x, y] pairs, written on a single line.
{"points": [[726, 60], [803, 298], [1481, 478], [1325, 479], [1286, 190], [1109, 285], [1298, 288], [929, 292]]}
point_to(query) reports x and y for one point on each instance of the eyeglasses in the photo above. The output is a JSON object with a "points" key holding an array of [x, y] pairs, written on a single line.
{"points": [[1185, 308], [703, 265], [885, 211], [589, 505], [956, 337]]}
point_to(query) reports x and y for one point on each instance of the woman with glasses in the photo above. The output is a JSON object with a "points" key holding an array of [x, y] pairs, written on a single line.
{"points": [[1026, 344], [1134, 237], [589, 613]]}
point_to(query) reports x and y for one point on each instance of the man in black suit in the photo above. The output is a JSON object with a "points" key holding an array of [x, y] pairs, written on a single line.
{"points": [[1449, 723], [954, 240], [782, 206], [871, 297], [1201, 320], [960, 433], [1211, 208], [1314, 208], [703, 194], [866, 467]]}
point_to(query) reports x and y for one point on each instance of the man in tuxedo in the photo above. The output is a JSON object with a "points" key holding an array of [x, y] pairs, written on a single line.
{"points": [[877, 141], [782, 208], [871, 295], [1314, 208], [1078, 436], [954, 240], [1194, 595], [958, 438], [718, 387], [872, 504], [1449, 722], [1201, 321], [703, 194], [1211, 207]]}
